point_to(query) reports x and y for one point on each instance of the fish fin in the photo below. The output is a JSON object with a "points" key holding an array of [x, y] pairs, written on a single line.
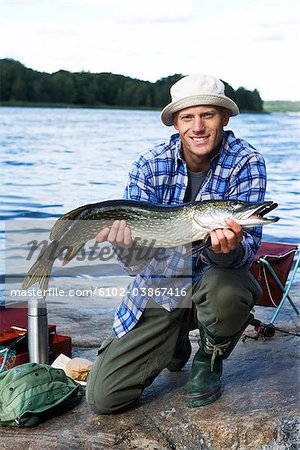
{"points": [[40, 271], [72, 252], [198, 246], [65, 222], [192, 248], [205, 244]]}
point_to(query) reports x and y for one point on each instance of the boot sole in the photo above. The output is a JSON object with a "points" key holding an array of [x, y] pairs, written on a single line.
{"points": [[197, 401]]}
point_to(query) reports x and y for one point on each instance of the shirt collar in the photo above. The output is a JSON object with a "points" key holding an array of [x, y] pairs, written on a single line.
{"points": [[225, 147], [175, 145], [218, 156]]}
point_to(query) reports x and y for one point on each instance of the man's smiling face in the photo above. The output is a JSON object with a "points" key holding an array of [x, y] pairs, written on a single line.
{"points": [[201, 132]]}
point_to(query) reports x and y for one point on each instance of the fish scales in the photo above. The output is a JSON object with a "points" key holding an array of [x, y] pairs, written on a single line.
{"points": [[167, 226]]}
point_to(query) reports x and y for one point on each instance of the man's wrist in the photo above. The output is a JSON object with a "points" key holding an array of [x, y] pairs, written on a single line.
{"points": [[231, 259]]}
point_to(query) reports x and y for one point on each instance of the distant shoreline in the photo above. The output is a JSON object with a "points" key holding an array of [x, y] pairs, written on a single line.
{"points": [[72, 106], [269, 106]]}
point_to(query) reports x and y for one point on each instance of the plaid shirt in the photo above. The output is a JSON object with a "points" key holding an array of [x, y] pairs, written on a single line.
{"points": [[160, 176]]}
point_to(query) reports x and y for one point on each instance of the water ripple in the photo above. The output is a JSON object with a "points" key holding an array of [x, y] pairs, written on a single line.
{"points": [[17, 163]]}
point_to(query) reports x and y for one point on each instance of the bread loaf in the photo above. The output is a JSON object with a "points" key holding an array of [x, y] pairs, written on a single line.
{"points": [[78, 368]]}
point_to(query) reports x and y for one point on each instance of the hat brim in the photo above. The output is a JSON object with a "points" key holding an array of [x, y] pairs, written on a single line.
{"points": [[167, 114]]}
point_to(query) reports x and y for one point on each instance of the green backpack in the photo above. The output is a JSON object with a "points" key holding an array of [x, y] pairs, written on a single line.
{"points": [[31, 392]]}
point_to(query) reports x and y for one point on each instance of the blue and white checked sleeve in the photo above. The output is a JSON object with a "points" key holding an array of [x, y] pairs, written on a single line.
{"points": [[140, 185]]}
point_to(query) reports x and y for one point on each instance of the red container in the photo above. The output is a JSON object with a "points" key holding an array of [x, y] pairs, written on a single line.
{"points": [[17, 317], [6, 337], [280, 257], [58, 344]]}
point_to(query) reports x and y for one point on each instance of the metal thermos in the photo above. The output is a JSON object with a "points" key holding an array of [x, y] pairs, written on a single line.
{"points": [[38, 335]]}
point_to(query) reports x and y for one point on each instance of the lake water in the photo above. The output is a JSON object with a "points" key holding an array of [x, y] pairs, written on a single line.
{"points": [[54, 160]]}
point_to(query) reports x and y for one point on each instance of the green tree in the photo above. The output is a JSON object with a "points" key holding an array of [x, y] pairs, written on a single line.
{"points": [[248, 101], [10, 70], [64, 87], [18, 89]]}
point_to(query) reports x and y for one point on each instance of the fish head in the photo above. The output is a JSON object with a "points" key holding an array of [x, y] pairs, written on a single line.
{"points": [[253, 214], [212, 214]]}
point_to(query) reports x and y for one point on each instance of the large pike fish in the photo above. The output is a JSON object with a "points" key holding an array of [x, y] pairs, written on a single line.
{"points": [[156, 225]]}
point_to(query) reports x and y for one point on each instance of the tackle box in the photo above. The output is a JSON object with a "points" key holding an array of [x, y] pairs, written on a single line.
{"points": [[13, 323]]}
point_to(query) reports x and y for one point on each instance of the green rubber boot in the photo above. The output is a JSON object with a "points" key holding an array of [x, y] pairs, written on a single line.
{"points": [[204, 384], [181, 355]]}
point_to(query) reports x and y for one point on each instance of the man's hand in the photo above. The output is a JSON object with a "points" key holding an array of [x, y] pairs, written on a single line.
{"points": [[119, 234], [223, 240]]}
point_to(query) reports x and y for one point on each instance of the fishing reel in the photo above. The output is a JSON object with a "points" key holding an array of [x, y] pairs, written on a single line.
{"points": [[265, 330]]}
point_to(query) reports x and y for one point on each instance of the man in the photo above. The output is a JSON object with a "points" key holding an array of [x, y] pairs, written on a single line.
{"points": [[201, 162]]}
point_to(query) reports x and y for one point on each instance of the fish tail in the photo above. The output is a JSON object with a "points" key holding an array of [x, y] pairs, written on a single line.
{"points": [[40, 271], [72, 252], [65, 222]]}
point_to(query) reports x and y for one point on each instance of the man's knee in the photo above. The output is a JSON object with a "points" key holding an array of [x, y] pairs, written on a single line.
{"points": [[102, 401], [224, 285], [107, 390], [224, 299], [99, 405]]}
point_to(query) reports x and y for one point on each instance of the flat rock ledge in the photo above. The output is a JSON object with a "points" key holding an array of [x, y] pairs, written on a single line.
{"points": [[259, 408]]}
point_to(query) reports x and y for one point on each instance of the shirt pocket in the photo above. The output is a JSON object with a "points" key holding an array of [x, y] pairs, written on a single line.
{"points": [[209, 196]]}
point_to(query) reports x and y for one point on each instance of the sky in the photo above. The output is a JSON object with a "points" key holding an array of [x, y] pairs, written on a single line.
{"points": [[249, 43]]}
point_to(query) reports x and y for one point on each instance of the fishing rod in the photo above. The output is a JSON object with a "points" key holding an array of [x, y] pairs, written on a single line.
{"points": [[8, 354], [266, 330]]}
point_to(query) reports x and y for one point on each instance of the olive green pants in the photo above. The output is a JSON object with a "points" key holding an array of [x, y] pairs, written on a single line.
{"points": [[124, 367]]}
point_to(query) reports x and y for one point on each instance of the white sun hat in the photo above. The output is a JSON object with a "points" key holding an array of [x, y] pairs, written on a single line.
{"points": [[197, 90]]}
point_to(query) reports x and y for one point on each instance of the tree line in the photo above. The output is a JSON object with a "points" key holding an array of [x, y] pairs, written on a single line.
{"points": [[21, 85]]}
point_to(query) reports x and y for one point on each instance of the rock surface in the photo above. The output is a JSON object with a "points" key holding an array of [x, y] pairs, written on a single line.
{"points": [[258, 410]]}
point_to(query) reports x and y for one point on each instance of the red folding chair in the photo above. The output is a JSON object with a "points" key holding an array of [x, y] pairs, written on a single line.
{"points": [[275, 268]]}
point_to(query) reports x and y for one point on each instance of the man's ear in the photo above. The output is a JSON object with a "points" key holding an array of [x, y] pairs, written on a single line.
{"points": [[226, 116], [175, 121]]}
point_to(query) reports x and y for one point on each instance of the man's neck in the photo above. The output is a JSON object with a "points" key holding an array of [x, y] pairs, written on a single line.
{"points": [[198, 164]]}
